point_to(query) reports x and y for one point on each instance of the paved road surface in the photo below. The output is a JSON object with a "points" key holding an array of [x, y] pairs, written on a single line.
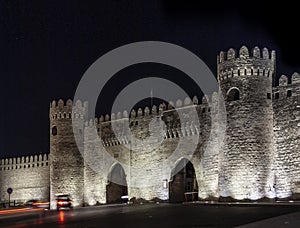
{"points": [[151, 215]]}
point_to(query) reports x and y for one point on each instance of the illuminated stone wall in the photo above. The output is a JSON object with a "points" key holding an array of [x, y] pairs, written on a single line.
{"points": [[257, 157], [249, 146], [286, 103], [149, 167], [27, 176]]}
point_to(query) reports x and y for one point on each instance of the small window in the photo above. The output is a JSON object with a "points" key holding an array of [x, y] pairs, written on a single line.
{"points": [[32, 165], [203, 110], [276, 96], [233, 94], [289, 93], [136, 123], [46, 163], [116, 155], [54, 130], [269, 95]]}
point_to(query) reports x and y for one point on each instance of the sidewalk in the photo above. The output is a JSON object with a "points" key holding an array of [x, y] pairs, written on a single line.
{"points": [[250, 204]]}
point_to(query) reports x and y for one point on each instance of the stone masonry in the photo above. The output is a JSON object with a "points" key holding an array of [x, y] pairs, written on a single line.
{"points": [[27, 176], [258, 157]]}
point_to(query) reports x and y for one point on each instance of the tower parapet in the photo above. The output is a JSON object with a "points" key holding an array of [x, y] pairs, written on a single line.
{"points": [[233, 64], [63, 110]]}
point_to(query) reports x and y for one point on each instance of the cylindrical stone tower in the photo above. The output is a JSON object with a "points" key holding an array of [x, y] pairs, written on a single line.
{"points": [[246, 83], [66, 162]]}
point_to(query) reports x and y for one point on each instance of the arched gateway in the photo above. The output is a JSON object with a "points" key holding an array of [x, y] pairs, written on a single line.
{"points": [[183, 185], [117, 185]]}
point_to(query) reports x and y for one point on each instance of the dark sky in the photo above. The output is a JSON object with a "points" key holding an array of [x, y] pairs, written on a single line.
{"points": [[46, 46]]}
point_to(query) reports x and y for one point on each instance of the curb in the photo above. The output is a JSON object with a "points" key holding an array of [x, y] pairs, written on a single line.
{"points": [[250, 204]]}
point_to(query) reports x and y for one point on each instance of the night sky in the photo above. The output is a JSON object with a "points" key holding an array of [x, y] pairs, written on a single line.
{"points": [[46, 46]]}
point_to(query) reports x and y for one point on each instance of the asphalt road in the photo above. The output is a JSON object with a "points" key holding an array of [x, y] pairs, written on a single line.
{"points": [[147, 215]]}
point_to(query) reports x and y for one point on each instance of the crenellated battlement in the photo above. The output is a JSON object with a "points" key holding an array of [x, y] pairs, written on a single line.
{"points": [[244, 53], [63, 110], [24, 162], [244, 63], [295, 79], [139, 120], [287, 88], [155, 110]]}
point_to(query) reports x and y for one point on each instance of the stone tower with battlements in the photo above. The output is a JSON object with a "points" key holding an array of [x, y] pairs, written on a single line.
{"points": [[246, 82], [66, 161]]}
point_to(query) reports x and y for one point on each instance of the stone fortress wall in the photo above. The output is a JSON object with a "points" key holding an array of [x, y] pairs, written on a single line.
{"points": [[147, 164], [28, 176], [286, 105], [258, 160], [258, 157]]}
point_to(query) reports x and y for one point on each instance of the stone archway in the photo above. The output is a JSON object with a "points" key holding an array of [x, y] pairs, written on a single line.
{"points": [[116, 188], [183, 185]]}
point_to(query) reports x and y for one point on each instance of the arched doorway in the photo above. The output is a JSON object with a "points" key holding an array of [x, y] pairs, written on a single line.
{"points": [[183, 185], [116, 188]]}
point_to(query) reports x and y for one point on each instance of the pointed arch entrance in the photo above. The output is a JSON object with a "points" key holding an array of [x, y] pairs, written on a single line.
{"points": [[183, 185], [117, 185]]}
